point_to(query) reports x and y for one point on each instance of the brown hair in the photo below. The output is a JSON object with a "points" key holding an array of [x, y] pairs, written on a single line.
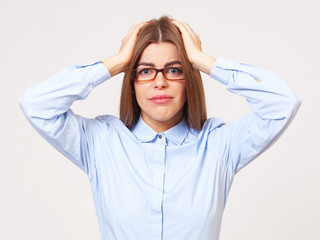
{"points": [[194, 109]]}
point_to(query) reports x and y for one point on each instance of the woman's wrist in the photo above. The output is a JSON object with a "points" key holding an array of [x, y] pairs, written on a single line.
{"points": [[204, 62], [114, 65]]}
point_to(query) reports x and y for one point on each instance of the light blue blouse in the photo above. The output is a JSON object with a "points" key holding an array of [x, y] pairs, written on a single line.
{"points": [[171, 185]]}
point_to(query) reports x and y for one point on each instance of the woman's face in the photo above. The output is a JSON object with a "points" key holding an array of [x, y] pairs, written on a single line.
{"points": [[161, 101]]}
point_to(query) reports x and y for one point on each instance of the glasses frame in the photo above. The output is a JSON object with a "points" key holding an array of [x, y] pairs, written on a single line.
{"points": [[157, 71]]}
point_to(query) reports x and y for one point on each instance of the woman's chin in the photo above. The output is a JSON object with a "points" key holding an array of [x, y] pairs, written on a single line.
{"points": [[162, 118]]}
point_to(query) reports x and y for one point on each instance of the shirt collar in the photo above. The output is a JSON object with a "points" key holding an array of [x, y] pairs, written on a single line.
{"points": [[176, 134]]}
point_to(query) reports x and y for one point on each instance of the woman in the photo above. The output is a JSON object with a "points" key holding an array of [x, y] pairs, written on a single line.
{"points": [[163, 170]]}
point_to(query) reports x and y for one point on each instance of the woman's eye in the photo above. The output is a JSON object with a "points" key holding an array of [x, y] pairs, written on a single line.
{"points": [[145, 71], [175, 70]]}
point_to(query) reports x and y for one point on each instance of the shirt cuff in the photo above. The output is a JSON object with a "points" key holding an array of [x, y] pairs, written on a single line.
{"points": [[96, 72], [223, 70]]}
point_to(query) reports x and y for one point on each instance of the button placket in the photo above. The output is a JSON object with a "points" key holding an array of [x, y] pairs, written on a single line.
{"points": [[158, 158], [162, 139]]}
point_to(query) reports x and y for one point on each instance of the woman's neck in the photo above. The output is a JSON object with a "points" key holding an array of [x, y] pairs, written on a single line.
{"points": [[162, 126]]}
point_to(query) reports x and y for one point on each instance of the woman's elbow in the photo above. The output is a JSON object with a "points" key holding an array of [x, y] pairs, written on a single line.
{"points": [[294, 105], [23, 103]]}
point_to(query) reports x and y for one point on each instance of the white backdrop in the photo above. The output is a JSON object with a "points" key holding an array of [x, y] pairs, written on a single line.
{"points": [[45, 196]]}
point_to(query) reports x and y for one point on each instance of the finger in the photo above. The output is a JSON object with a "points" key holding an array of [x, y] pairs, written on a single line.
{"points": [[187, 32], [131, 30], [190, 30], [192, 33], [180, 26], [132, 34], [183, 27], [137, 27]]}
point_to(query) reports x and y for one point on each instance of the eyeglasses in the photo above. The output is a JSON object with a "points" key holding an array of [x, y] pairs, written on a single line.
{"points": [[150, 74]]}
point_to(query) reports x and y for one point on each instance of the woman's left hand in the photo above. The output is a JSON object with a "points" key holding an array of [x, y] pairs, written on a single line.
{"points": [[192, 44]]}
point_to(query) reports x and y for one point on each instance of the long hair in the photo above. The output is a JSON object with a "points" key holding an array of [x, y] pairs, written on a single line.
{"points": [[194, 109]]}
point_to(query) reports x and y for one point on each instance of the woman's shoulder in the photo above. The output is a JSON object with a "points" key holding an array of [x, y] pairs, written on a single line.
{"points": [[110, 120], [113, 123], [107, 118], [212, 124]]}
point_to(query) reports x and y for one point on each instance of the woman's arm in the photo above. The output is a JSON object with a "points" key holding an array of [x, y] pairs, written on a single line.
{"points": [[47, 104], [274, 105]]}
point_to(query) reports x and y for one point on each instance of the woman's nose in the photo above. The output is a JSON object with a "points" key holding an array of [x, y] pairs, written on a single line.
{"points": [[160, 81]]}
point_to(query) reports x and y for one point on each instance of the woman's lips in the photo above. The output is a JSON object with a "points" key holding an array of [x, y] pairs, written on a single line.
{"points": [[161, 98]]}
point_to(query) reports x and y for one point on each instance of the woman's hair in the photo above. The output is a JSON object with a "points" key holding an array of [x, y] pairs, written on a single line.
{"points": [[194, 109]]}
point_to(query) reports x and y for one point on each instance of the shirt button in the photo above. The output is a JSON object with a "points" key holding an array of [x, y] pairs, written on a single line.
{"points": [[160, 136]]}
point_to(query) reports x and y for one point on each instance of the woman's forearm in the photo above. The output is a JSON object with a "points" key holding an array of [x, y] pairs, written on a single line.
{"points": [[54, 96], [204, 62], [114, 64]]}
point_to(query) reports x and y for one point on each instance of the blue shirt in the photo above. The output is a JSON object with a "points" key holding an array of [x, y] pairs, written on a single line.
{"points": [[170, 185]]}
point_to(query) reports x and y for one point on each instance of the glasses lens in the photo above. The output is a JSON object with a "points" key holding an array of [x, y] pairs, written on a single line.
{"points": [[149, 74], [174, 73], [144, 74]]}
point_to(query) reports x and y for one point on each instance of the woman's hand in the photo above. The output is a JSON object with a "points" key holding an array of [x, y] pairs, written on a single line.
{"points": [[119, 62], [192, 44]]}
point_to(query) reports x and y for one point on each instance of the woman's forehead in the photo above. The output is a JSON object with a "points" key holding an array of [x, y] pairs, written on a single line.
{"points": [[160, 53]]}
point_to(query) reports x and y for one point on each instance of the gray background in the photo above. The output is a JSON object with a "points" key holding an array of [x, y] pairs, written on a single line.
{"points": [[45, 196]]}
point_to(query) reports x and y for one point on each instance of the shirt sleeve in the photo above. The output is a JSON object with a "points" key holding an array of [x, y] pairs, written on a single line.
{"points": [[274, 106], [47, 107]]}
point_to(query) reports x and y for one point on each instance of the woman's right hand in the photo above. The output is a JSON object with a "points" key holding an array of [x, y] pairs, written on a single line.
{"points": [[119, 62]]}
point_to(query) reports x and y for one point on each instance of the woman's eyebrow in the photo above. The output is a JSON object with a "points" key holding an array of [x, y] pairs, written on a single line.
{"points": [[146, 64], [166, 65], [172, 63]]}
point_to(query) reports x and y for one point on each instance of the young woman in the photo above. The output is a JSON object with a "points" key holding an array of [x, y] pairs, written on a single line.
{"points": [[163, 170]]}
